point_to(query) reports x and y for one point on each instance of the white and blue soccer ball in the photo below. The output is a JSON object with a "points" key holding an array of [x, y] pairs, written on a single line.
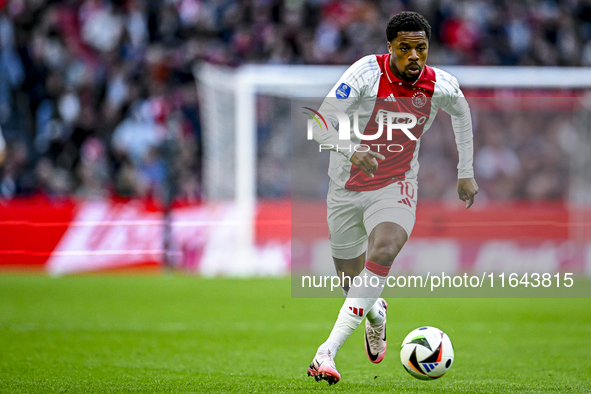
{"points": [[427, 353]]}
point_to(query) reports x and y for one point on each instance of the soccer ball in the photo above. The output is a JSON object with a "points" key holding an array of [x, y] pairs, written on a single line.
{"points": [[427, 353]]}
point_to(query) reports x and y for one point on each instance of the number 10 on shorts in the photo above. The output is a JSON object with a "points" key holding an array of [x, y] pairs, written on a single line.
{"points": [[407, 188]]}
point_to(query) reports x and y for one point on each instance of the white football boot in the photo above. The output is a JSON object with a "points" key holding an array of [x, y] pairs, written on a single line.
{"points": [[323, 368], [375, 336]]}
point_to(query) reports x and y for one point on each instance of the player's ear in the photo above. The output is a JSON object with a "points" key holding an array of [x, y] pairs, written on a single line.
{"points": [[389, 47]]}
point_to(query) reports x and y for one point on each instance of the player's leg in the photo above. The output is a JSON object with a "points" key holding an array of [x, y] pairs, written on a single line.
{"points": [[350, 268], [389, 219], [348, 242], [375, 322], [385, 242], [323, 366], [389, 226], [388, 239]]}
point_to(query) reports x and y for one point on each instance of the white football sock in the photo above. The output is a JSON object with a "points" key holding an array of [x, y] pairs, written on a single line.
{"points": [[375, 314], [360, 299]]}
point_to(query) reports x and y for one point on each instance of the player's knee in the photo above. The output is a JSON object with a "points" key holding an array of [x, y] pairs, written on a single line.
{"points": [[383, 254], [350, 267]]}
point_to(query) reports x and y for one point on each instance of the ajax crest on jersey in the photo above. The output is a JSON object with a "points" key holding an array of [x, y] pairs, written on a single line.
{"points": [[419, 99], [427, 353]]}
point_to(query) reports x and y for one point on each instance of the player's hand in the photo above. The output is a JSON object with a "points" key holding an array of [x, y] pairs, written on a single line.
{"points": [[467, 189], [366, 161]]}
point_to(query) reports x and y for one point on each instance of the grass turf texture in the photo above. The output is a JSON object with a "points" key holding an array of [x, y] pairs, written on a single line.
{"points": [[114, 334]]}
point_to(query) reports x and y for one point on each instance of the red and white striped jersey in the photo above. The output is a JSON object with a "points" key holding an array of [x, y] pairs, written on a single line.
{"points": [[371, 90]]}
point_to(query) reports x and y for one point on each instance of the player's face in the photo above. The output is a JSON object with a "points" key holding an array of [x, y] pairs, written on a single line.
{"points": [[408, 54]]}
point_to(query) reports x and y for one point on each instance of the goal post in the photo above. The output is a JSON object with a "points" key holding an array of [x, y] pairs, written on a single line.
{"points": [[228, 110]]}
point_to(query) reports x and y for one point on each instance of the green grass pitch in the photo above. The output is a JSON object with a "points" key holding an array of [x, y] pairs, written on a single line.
{"points": [[178, 334]]}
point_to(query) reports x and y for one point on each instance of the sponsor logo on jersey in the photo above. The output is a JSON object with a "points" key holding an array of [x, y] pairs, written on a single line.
{"points": [[343, 91], [419, 99], [383, 117]]}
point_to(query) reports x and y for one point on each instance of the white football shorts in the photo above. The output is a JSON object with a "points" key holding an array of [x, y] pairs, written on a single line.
{"points": [[353, 215]]}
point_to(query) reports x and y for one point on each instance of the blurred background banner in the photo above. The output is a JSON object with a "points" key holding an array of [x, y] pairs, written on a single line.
{"points": [[74, 237], [150, 134]]}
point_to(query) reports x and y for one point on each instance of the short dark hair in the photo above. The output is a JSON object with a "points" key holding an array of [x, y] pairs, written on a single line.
{"points": [[407, 21]]}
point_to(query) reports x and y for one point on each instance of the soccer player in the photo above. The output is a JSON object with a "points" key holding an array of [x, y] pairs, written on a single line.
{"points": [[372, 194]]}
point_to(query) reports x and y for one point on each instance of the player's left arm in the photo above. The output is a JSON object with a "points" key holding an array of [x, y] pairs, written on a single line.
{"points": [[457, 106]]}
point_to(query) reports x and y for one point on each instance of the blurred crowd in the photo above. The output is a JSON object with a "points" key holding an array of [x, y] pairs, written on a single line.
{"points": [[467, 32], [97, 97], [519, 153]]}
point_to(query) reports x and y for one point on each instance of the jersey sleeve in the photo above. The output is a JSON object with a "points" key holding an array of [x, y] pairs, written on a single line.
{"points": [[455, 104], [343, 98]]}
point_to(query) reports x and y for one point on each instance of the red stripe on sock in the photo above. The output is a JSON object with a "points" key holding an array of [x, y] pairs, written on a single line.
{"points": [[377, 269]]}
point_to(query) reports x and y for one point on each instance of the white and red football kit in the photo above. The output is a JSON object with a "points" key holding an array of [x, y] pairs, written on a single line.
{"points": [[370, 90]]}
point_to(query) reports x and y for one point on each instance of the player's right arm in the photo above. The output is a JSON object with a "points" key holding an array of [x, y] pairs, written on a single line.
{"points": [[356, 83]]}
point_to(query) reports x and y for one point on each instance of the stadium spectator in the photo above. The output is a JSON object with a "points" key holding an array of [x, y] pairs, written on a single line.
{"points": [[72, 71]]}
